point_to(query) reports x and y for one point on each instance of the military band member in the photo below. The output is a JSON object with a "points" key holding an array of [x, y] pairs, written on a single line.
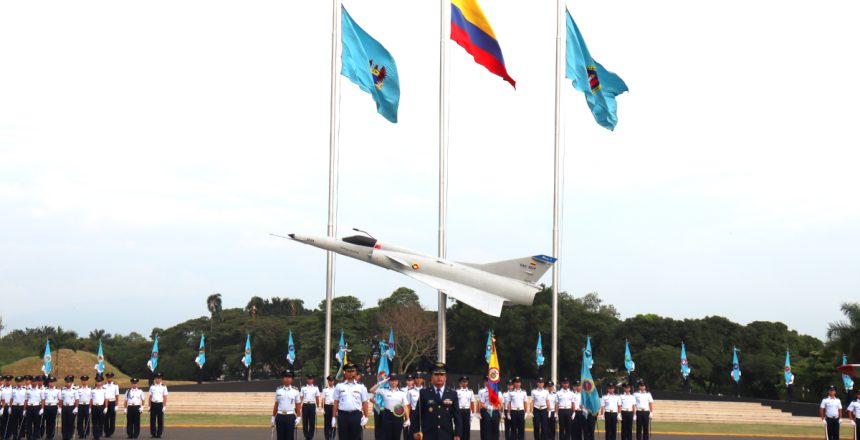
{"points": [[68, 408], [34, 410], [517, 399], [438, 417], [610, 409], [111, 394], [489, 414], [310, 402], [350, 405], [85, 399], [287, 411], [627, 403], [99, 407], [830, 412], [395, 408], [133, 407], [552, 406], [328, 404], [540, 410], [853, 414], [51, 402], [157, 406], [506, 398], [643, 410], [579, 422], [5, 405], [466, 406]]}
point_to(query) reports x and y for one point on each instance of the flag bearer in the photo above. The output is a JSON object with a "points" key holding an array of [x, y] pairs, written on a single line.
{"points": [[85, 400], [133, 407], [627, 403], [310, 403], [157, 406], [466, 406], [610, 409], [643, 410], [517, 410], [99, 407], [328, 404], [830, 411], [111, 394], [540, 411], [51, 397], [489, 414], [287, 410], [350, 412], [395, 413]]}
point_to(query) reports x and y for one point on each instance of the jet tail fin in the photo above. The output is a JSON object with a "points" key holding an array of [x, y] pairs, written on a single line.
{"points": [[528, 269]]}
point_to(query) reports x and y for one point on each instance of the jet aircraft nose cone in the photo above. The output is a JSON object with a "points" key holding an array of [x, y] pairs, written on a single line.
{"points": [[293, 236]]}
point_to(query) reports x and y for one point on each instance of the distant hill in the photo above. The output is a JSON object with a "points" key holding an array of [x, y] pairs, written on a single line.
{"points": [[66, 362]]}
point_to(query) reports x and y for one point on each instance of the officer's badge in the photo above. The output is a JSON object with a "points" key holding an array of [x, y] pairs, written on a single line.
{"points": [[430, 409], [399, 410], [447, 402]]}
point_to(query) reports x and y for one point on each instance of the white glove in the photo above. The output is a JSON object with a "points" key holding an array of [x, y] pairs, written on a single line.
{"points": [[652, 415], [164, 409], [273, 421], [24, 413], [634, 417], [528, 415], [41, 411], [477, 415], [406, 424], [508, 416], [74, 411], [840, 420], [104, 411], [619, 417], [823, 422], [333, 422], [320, 411], [363, 421], [298, 421], [853, 423], [125, 410], [141, 409], [2, 411]]}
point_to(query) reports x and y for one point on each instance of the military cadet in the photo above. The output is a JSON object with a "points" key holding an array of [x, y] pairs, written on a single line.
{"points": [[853, 414], [578, 424], [85, 400], [466, 406], [610, 409], [438, 416], [5, 405], [33, 409], [133, 407], [68, 408], [99, 407], [419, 379], [310, 395], [565, 409], [328, 404], [287, 411], [111, 394], [157, 406], [412, 392], [516, 404], [643, 411], [50, 403], [506, 398], [395, 408], [552, 406], [627, 403], [489, 414], [540, 410], [830, 412], [349, 414], [19, 401]]}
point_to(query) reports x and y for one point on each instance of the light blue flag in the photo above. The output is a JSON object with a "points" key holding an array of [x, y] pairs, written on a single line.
{"points": [[628, 358], [787, 368], [736, 366], [390, 352], [201, 352], [589, 360], [685, 365], [291, 350], [47, 359], [246, 359], [152, 363], [599, 85], [539, 352], [846, 379], [590, 396], [100, 359], [488, 352], [370, 67], [341, 349], [381, 373]]}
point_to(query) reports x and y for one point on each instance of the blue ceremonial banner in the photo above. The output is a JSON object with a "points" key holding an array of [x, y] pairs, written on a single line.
{"points": [[590, 396], [246, 359], [369, 65], [381, 374], [100, 359], [152, 363], [488, 352], [736, 366], [390, 352], [846, 379], [628, 358], [589, 360], [201, 352], [685, 365], [341, 350], [787, 367], [599, 85], [539, 352], [291, 350], [47, 359]]}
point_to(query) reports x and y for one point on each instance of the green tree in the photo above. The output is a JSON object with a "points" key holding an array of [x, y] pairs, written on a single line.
{"points": [[213, 303], [844, 336]]}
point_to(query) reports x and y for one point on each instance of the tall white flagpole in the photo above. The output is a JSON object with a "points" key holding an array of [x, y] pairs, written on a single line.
{"points": [[334, 127], [444, 74], [558, 174]]}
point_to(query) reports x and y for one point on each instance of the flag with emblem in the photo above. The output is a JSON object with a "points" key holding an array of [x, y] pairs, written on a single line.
{"points": [[201, 352], [494, 376], [472, 31], [341, 356], [246, 358], [539, 358], [629, 365], [599, 85], [736, 365], [390, 351], [100, 359], [488, 351], [369, 65], [590, 396], [152, 363], [381, 374], [846, 379], [685, 365], [787, 368], [47, 359], [291, 349], [589, 360]]}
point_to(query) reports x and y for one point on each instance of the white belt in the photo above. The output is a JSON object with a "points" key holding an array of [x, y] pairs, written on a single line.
{"points": [[540, 407], [564, 407], [465, 407], [286, 413]]}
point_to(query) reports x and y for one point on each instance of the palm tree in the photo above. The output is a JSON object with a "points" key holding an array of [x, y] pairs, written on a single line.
{"points": [[845, 335], [213, 303]]}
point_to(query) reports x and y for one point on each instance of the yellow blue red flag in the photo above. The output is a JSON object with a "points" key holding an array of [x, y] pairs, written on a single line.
{"points": [[471, 30], [493, 375]]}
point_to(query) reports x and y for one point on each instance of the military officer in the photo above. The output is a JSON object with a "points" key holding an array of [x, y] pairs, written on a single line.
{"points": [[830, 412], [111, 394], [68, 408], [540, 410], [310, 402], [98, 409], [287, 411], [349, 414], [5, 405], [610, 409], [579, 422], [51, 402], [85, 400], [466, 406], [627, 402], [133, 407], [853, 414], [395, 408], [552, 406], [517, 400], [643, 410], [490, 414], [157, 406], [506, 398], [438, 417], [328, 404]]}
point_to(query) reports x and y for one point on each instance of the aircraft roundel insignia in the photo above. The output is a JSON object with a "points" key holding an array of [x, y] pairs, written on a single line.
{"points": [[494, 375], [587, 385], [416, 266]]}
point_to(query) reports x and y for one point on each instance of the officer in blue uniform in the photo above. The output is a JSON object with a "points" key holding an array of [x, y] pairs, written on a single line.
{"points": [[438, 418]]}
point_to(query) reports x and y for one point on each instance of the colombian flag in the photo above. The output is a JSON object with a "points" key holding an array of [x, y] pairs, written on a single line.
{"points": [[470, 29], [493, 376]]}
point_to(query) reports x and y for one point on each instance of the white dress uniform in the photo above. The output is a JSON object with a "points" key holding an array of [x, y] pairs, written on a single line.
{"points": [[540, 411], [309, 410], [832, 407], [854, 409], [350, 398], [627, 403], [517, 404], [642, 404], [287, 398], [412, 394]]}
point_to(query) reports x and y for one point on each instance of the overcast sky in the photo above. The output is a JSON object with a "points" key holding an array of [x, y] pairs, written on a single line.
{"points": [[147, 149]]}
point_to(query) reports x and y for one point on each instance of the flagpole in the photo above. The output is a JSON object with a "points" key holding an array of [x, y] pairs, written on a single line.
{"points": [[444, 78], [558, 170], [334, 127]]}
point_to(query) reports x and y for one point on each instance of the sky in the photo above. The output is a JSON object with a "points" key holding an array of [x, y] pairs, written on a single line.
{"points": [[147, 151]]}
